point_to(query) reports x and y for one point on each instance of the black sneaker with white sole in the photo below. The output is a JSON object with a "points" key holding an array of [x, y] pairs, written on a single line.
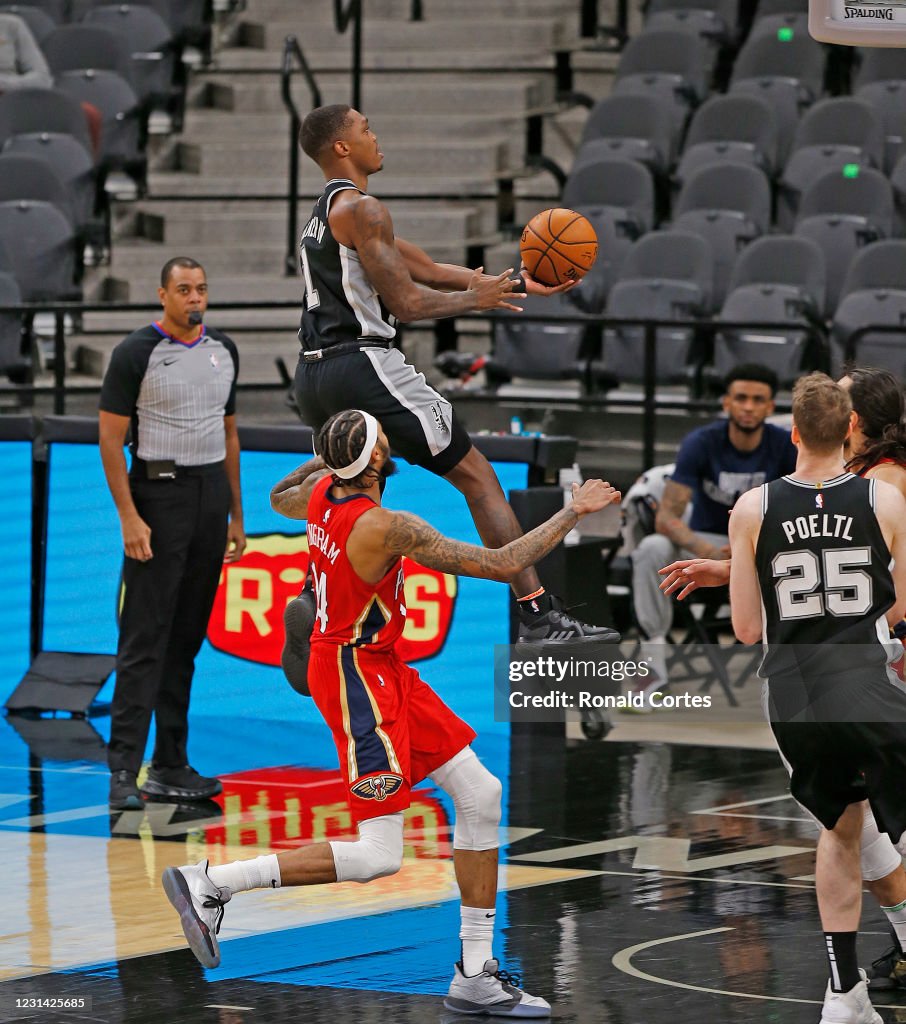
{"points": [[889, 970], [557, 630], [176, 784]]}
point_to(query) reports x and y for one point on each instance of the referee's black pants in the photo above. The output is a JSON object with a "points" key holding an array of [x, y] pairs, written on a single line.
{"points": [[166, 605]]}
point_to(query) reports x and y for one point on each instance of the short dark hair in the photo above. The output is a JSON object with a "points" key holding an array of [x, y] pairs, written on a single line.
{"points": [[752, 371], [321, 128], [821, 412], [341, 441], [178, 261]]}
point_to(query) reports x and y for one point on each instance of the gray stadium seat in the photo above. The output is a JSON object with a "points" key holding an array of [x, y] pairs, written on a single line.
{"points": [[832, 133], [787, 262], [29, 177], [537, 350], [768, 7], [617, 196], [73, 166], [123, 125], [788, 73], [40, 23], [666, 275], [716, 20], [40, 246], [76, 47], [632, 126], [43, 110], [737, 129], [843, 214], [881, 266], [151, 43], [621, 184], [865, 308], [879, 78], [729, 205], [779, 278], [898, 181], [670, 65], [772, 24]]}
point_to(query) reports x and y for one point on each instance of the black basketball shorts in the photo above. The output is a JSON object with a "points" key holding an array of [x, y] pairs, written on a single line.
{"points": [[419, 423]]}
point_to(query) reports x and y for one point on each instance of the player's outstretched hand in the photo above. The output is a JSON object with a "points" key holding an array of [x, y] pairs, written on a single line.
{"points": [[592, 496], [495, 292], [689, 574], [533, 287]]}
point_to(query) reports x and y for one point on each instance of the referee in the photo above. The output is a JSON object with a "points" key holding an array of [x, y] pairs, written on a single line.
{"points": [[180, 507]]}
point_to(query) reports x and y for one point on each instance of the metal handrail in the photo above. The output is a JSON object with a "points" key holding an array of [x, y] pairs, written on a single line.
{"points": [[650, 402], [352, 15], [292, 51]]}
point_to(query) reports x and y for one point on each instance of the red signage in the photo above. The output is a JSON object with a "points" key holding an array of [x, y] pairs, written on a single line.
{"points": [[247, 618]]}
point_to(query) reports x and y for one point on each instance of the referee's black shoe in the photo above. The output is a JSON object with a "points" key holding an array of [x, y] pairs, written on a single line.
{"points": [[175, 784], [124, 793], [889, 970], [558, 630]]}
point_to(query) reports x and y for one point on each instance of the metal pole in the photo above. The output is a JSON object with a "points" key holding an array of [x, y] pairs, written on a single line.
{"points": [[357, 56], [291, 266], [648, 402], [59, 366]]}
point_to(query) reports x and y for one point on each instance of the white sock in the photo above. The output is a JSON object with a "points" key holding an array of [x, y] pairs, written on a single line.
{"points": [[242, 875], [477, 936], [897, 918]]}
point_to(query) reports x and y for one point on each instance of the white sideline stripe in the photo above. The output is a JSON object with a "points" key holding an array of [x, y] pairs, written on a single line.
{"points": [[433, 447]]}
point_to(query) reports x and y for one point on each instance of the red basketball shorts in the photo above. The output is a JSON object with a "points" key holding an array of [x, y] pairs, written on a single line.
{"points": [[390, 728]]}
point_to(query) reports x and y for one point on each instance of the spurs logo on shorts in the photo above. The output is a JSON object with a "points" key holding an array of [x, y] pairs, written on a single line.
{"points": [[437, 413], [376, 787]]}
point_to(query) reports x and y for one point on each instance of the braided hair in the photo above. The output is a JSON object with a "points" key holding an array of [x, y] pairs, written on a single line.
{"points": [[877, 398], [340, 442]]}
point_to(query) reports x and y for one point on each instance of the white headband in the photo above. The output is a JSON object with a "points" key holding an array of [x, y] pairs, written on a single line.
{"points": [[371, 431]]}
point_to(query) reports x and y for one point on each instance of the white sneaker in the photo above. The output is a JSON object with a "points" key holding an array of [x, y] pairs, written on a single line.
{"points": [[199, 904], [494, 992], [852, 1007]]}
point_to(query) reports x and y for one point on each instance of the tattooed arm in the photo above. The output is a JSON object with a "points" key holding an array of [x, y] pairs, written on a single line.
{"points": [[669, 521], [363, 223], [290, 496], [385, 535]]}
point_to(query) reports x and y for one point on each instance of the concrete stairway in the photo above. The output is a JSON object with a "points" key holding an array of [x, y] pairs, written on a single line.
{"points": [[452, 130]]}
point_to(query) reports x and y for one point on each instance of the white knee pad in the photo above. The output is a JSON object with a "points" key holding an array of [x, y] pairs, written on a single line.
{"points": [[879, 855], [476, 796], [377, 852]]}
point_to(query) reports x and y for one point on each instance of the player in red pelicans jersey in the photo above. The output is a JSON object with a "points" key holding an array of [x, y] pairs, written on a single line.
{"points": [[390, 728]]}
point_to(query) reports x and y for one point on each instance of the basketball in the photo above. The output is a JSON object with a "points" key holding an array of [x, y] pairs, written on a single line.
{"points": [[558, 246]]}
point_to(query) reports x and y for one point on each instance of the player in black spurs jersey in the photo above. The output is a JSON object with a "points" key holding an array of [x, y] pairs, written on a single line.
{"points": [[360, 280], [812, 576]]}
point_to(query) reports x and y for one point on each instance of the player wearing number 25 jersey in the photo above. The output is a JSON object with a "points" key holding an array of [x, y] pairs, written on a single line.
{"points": [[818, 564]]}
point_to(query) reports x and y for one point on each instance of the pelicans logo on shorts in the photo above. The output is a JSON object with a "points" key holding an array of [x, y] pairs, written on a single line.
{"points": [[376, 787]]}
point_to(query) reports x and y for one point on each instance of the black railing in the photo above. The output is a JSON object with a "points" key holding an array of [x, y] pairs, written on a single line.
{"points": [[292, 53], [352, 15], [851, 345], [649, 404]]}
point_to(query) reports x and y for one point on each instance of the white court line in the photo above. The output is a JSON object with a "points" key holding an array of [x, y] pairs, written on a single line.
{"points": [[622, 960], [223, 1006], [743, 803], [78, 770]]}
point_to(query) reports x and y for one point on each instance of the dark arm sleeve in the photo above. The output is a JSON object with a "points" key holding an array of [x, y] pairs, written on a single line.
{"points": [[230, 345], [123, 379]]}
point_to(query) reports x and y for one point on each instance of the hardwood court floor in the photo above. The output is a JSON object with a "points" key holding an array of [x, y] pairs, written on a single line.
{"points": [[643, 881]]}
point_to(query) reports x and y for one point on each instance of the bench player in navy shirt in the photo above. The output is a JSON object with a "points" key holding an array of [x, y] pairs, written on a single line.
{"points": [[715, 465]]}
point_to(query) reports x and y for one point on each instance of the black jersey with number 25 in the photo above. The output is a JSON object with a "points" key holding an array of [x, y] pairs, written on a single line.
{"points": [[341, 304], [823, 566]]}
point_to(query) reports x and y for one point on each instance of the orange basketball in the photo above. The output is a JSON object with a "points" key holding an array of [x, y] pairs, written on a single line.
{"points": [[558, 246]]}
